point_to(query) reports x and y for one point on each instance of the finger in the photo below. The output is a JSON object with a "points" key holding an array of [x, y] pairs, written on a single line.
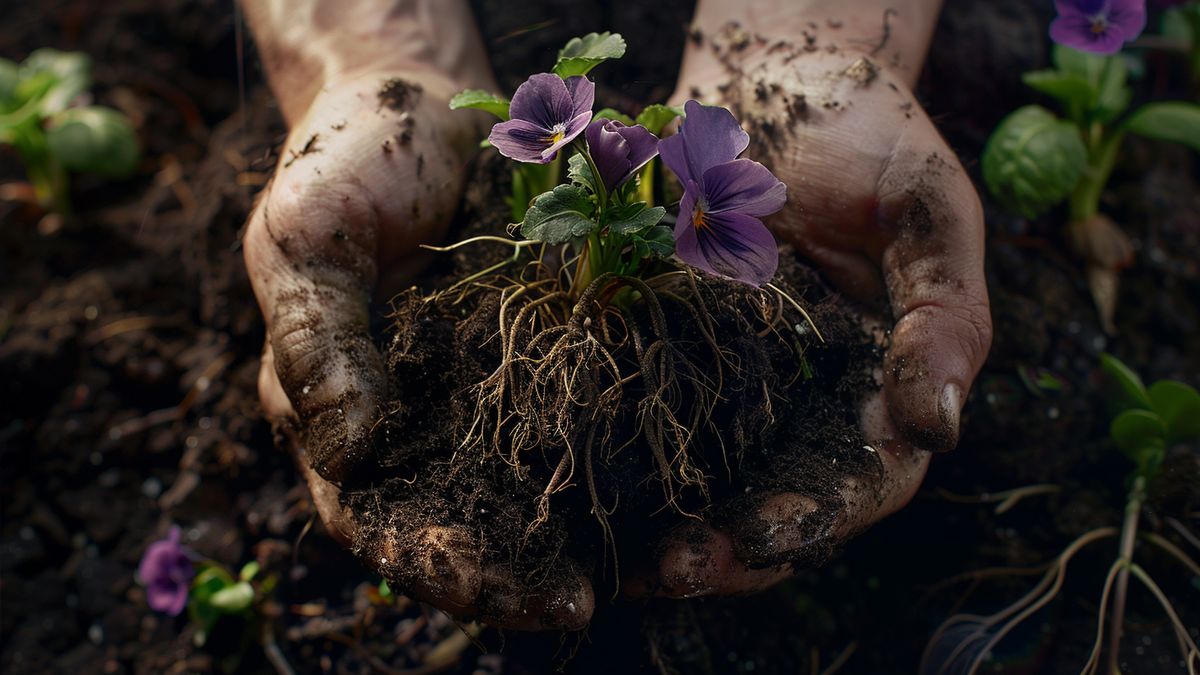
{"points": [[933, 269], [441, 565], [563, 602], [786, 529], [276, 406], [310, 252]]}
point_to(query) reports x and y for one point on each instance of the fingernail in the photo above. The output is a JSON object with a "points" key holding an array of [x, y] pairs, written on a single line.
{"points": [[949, 410]]}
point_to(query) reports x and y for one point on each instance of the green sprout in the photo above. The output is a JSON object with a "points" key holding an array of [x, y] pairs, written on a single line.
{"points": [[52, 135], [1036, 160], [1150, 421]]}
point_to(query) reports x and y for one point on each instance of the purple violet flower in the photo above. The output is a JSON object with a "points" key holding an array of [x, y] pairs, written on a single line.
{"points": [[166, 571], [547, 113], [619, 151], [718, 229], [1098, 26]]}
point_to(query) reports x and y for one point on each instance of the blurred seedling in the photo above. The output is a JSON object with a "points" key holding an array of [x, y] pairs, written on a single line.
{"points": [[1151, 420], [1036, 160], [43, 118]]}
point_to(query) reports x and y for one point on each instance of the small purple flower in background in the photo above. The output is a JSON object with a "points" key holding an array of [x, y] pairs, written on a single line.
{"points": [[718, 229], [1098, 26], [547, 113], [166, 571], [619, 151]]}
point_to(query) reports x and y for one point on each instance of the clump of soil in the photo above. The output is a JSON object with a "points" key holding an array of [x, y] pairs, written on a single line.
{"points": [[552, 427]]}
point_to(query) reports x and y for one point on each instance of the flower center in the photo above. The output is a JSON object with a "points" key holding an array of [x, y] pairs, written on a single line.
{"points": [[698, 218], [556, 134], [1099, 24]]}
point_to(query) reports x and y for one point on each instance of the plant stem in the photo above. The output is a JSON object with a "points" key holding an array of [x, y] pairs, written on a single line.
{"points": [[1133, 510], [1084, 201]]}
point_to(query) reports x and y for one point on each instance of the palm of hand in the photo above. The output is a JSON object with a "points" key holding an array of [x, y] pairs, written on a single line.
{"points": [[882, 207]]}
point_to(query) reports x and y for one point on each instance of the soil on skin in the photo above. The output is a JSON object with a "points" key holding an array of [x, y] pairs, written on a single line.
{"points": [[783, 418], [130, 343]]}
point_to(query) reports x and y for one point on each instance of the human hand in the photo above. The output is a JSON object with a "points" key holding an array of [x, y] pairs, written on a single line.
{"points": [[372, 167], [882, 207]]}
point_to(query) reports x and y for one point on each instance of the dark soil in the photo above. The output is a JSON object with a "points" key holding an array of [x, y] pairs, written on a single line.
{"points": [[129, 346]]}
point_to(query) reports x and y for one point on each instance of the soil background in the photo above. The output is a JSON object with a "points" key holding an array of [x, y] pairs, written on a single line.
{"points": [[129, 345]]}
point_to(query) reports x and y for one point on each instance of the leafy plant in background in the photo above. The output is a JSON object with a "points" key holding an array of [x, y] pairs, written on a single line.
{"points": [[1036, 160], [1149, 422], [175, 579], [53, 136], [1181, 32]]}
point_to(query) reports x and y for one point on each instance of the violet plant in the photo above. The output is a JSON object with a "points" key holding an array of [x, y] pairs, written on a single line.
{"points": [[44, 118], [176, 578], [1036, 160], [603, 209]]}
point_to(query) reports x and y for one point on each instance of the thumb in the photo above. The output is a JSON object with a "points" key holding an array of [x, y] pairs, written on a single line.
{"points": [[933, 268], [310, 251]]}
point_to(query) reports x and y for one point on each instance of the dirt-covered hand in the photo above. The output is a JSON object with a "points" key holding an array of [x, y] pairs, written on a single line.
{"points": [[881, 205], [372, 167]]}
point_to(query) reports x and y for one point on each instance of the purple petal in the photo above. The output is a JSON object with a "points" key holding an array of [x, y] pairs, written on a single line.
{"points": [[744, 186], [730, 245], [619, 151], [1079, 7], [1076, 32], [708, 136], [609, 151], [643, 146], [166, 597], [583, 95], [544, 100], [570, 131], [521, 140], [1129, 16]]}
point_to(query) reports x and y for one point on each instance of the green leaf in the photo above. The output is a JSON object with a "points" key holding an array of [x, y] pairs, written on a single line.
{"points": [[93, 140], [1178, 406], [1106, 76], [610, 114], [656, 116], [8, 85], [1033, 160], [234, 599], [640, 221], [1174, 121], [1069, 88], [481, 100], [1138, 431], [1130, 389], [579, 171], [1112, 92], [580, 55], [658, 241], [56, 77], [385, 591], [249, 571], [558, 216]]}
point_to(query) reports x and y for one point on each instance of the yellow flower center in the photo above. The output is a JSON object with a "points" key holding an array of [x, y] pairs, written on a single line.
{"points": [[698, 218], [556, 134], [1099, 25]]}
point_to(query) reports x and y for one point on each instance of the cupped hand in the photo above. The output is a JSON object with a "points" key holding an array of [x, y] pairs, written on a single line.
{"points": [[881, 205], [372, 168]]}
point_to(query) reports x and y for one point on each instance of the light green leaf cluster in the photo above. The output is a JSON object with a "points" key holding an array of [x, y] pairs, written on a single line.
{"points": [[1152, 418], [581, 54], [41, 118], [1033, 160]]}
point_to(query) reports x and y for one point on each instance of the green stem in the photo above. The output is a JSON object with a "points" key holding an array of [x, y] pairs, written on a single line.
{"points": [[1133, 510], [1084, 201], [46, 175]]}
